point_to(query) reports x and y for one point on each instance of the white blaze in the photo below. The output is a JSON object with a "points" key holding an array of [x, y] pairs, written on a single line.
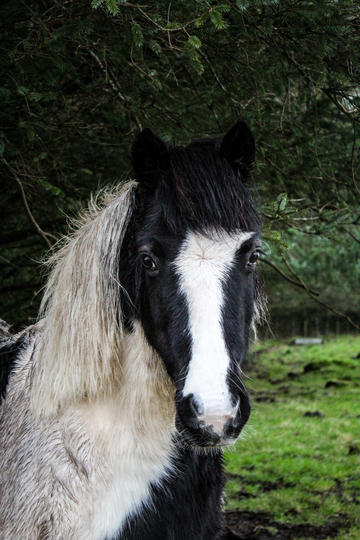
{"points": [[203, 264]]}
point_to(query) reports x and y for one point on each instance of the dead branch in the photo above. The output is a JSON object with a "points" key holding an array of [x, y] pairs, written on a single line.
{"points": [[312, 294], [42, 233], [288, 278]]}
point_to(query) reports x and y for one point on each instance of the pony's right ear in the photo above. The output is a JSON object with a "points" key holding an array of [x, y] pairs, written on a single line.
{"points": [[238, 148], [150, 158]]}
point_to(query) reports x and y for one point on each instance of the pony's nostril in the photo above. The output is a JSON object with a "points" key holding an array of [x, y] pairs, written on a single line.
{"points": [[236, 421], [237, 416], [194, 405], [197, 405], [188, 409], [240, 416]]}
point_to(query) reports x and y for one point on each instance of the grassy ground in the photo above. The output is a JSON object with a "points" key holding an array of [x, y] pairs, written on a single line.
{"points": [[298, 463]]}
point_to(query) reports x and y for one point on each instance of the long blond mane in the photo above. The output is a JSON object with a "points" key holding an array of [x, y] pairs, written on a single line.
{"points": [[78, 353]]}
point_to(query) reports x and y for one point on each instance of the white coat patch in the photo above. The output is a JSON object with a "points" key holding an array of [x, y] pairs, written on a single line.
{"points": [[202, 265]]}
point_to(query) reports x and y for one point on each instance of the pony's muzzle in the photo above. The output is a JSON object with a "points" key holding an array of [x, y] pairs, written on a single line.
{"points": [[213, 426]]}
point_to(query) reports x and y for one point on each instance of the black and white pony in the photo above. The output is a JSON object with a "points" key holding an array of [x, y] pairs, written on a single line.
{"points": [[113, 399]]}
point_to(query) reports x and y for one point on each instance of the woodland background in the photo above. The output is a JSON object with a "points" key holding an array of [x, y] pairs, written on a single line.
{"points": [[79, 80]]}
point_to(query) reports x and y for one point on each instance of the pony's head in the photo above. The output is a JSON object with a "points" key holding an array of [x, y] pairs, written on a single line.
{"points": [[174, 253], [193, 283]]}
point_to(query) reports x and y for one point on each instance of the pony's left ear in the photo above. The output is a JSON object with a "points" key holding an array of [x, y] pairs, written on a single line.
{"points": [[238, 148], [150, 158]]}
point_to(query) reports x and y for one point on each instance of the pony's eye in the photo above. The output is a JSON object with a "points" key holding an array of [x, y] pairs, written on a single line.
{"points": [[254, 257], [149, 264]]}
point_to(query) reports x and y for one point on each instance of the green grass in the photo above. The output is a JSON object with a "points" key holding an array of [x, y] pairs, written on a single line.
{"points": [[296, 467]]}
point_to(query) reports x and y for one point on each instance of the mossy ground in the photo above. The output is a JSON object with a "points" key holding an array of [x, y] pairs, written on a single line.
{"points": [[298, 461]]}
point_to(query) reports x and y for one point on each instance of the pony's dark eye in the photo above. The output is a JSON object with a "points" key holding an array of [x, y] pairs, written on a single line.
{"points": [[254, 257], [149, 264]]}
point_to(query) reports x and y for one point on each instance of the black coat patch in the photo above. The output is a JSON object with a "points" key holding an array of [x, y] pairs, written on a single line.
{"points": [[184, 506]]}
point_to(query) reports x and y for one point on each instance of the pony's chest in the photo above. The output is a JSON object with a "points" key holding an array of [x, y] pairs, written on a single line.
{"points": [[127, 462], [123, 496]]}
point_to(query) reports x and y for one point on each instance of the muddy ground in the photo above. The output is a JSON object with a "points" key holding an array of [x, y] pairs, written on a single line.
{"points": [[246, 525]]}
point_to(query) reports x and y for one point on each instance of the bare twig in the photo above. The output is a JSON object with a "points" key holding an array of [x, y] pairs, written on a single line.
{"points": [[9, 262], [113, 83], [156, 24], [288, 278], [353, 155], [336, 311], [168, 22], [299, 278], [42, 233], [351, 235], [312, 294]]}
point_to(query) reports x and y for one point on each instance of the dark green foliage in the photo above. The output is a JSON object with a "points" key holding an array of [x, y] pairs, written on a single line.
{"points": [[80, 79]]}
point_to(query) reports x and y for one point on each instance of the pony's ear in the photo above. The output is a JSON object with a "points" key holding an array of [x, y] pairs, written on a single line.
{"points": [[238, 148], [150, 158]]}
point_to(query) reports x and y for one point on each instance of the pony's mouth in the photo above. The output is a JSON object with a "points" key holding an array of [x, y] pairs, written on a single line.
{"points": [[204, 436]]}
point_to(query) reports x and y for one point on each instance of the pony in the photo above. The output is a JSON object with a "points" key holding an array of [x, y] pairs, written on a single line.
{"points": [[117, 404]]}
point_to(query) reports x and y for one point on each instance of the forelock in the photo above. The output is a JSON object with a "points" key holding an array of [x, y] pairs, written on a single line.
{"points": [[201, 191]]}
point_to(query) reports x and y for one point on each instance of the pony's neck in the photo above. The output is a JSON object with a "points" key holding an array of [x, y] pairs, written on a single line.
{"points": [[130, 439], [143, 404]]}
